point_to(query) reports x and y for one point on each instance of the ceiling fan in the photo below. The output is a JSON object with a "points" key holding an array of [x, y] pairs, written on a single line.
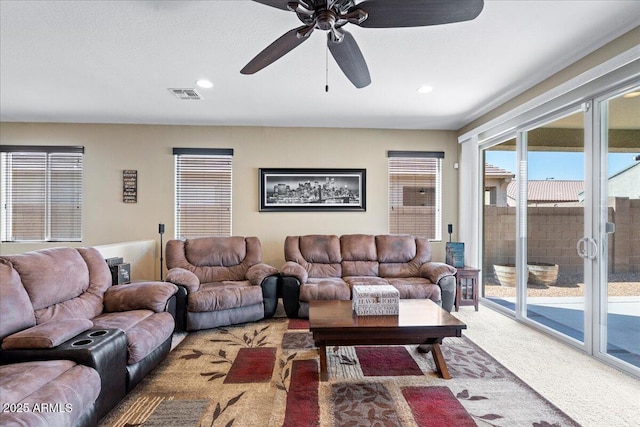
{"points": [[332, 15]]}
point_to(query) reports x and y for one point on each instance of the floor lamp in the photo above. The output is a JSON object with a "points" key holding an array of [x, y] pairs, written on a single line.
{"points": [[161, 232]]}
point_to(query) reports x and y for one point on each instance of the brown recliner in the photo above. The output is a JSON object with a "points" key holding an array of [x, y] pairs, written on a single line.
{"points": [[223, 281]]}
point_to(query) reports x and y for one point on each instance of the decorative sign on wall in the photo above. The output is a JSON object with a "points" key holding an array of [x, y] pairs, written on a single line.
{"points": [[130, 186]]}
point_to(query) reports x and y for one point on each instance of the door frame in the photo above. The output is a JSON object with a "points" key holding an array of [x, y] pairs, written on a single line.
{"points": [[599, 294]]}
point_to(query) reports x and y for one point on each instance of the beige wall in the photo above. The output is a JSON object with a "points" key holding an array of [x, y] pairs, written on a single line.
{"points": [[109, 149]]}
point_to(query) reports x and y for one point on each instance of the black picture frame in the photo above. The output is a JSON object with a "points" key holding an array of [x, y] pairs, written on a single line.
{"points": [[312, 190]]}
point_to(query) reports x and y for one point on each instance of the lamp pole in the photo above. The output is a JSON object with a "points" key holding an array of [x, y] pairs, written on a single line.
{"points": [[161, 232]]}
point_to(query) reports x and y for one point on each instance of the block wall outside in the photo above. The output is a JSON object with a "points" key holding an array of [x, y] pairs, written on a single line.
{"points": [[553, 233]]}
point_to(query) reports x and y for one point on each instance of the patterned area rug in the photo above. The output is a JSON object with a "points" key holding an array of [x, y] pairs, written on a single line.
{"points": [[267, 374]]}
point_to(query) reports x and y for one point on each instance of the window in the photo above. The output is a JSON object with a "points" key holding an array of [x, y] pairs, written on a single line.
{"points": [[41, 193], [203, 192], [415, 187]]}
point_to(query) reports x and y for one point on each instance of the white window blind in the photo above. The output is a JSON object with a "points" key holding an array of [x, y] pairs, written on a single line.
{"points": [[41, 193], [415, 199], [203, 192]]}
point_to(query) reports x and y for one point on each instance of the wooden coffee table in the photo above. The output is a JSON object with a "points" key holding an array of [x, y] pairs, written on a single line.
{"points": [[418, 322]]}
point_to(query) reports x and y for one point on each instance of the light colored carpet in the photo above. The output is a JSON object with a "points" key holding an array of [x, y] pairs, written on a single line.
{"points": [[587, 390]]}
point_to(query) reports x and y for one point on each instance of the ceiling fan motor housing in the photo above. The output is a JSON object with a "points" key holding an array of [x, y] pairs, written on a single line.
{"points": [[325, 20]]}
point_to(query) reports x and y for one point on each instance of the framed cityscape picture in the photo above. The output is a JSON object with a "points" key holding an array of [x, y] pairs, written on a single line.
{"points": [[316, 190]]}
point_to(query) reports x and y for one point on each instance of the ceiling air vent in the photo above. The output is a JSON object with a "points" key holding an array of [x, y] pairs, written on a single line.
{"points": [[186, 94]]}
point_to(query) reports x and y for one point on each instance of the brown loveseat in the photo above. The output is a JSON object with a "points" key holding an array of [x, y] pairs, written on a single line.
{"points": [[223, 281], [58, 304], [325, 267]]}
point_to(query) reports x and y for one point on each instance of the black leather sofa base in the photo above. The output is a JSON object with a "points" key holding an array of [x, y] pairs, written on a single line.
{"points": [[104, 350]]}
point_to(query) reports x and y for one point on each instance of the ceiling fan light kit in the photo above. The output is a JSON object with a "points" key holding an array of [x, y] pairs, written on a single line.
{"points": [[332, 15]]}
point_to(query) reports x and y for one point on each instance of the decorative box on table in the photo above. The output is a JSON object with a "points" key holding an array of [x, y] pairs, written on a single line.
{"points": [[375, 300]]}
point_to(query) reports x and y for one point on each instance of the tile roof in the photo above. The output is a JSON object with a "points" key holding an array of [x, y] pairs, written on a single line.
{"points": [[549, 190], [491, 170]]}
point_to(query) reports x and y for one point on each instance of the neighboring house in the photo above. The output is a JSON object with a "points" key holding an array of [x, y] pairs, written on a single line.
{"points": [[623, 183], [501, 188], [496, 182]]}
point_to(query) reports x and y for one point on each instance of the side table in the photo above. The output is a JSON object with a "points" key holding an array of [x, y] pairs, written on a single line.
{"points": [[467, 287]]}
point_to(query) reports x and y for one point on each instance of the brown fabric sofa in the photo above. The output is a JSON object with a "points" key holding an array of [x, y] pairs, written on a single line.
{"points": [[54, 393], [224, 281], [326, 267], [59, 304]]}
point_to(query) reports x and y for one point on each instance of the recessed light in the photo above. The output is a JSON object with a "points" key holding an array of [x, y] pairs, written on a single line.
{"points": [[631, 94], [424, 89], [205, 84]]}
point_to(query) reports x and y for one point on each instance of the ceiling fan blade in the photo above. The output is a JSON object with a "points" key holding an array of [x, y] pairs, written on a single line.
{"points": [[279, 4], [417, 13], [276, 50], [349, 58]]}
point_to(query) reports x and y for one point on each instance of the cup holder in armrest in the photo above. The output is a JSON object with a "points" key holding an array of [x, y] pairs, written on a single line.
{"points": [[98, 333], [81, 343]]}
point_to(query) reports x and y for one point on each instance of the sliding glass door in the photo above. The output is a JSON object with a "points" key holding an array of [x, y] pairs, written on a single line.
{"points": [[499, 224], [561, 241], [554, 215], [618, 299]]}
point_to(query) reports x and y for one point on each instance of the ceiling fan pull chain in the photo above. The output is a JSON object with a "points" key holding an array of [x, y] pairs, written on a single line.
{"points": [[326, 69]]}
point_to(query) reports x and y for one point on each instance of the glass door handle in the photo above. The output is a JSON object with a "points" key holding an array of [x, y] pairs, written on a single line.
{"points": [[587, 248]]}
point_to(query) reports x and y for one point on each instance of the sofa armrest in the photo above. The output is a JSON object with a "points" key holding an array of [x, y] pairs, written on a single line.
{"points": [[434, 271], [258, 272], [293, 269], [442, 275], [47, 335], [184, 277], [139, 295]]}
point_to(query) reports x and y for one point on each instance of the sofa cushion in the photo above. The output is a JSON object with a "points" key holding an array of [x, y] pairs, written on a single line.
{"points": [[47, 335], [145, 330], [16, 311], [416, 288], [325, 289], [51, 276], [395, 248], [69, 388], [215, 251], [359, 255], [412, 253], [360, 268], [224, 295], [64, 283], [320, 249], [358, 247]]}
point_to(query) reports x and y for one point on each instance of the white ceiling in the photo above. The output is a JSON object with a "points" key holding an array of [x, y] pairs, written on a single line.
{"points": [[112, 62]]}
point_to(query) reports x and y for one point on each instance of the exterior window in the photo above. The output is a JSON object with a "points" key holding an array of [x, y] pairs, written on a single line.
{"points": [[415, 193], [41, 193], [203, 192]]}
